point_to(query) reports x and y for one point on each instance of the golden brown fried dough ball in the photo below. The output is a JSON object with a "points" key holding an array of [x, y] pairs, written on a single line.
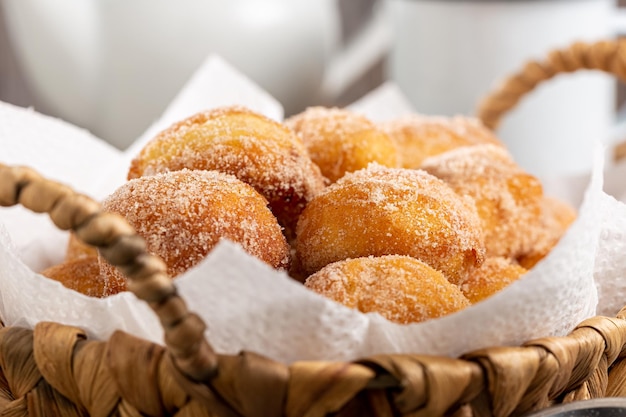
{"points": [[400, 288], [419, 137], [341, 141], [76, 249], [83, 275], [508, 199], [183, 214], [492, 276], [556, 218], [248, 145], [391, 211]]}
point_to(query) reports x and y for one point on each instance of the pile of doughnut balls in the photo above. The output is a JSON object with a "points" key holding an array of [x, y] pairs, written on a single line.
{"points": [[413, 218]]}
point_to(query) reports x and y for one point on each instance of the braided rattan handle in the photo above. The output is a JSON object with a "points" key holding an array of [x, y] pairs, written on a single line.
{"points": [[607, 56], [121, 246]]}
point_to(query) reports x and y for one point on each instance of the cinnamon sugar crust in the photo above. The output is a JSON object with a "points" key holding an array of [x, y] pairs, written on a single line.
{"points": [[495, 274], [419, 136], [341, 141], [235, 140], [508, 199], [391, 211], [400, 288], [82, 274], [183, 214]]}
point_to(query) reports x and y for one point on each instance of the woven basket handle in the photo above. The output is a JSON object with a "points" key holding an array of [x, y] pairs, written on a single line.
{"points": [[121, 246], [607, 56]]}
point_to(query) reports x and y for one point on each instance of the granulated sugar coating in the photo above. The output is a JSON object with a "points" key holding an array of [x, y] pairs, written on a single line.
{"points": [[341, 141], [391, 211], [556, 218], [83, 275], [400, 288], [76, 249], [507, 198], [492, 276], [237, 141], [182, 215], [419, 136]]}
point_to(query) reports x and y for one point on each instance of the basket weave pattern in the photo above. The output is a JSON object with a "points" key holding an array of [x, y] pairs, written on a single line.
{"points": [[54, 370]]}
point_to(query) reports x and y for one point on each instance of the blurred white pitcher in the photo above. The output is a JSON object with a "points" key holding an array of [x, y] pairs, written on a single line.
{"points": [[448, 54], [113, 65]]}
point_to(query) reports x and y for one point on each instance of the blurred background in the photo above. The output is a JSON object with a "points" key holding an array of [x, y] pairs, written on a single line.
{"points": [[353, 13], [442, 54]]}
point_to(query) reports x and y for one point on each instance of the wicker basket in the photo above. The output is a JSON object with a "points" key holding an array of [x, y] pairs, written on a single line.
{"points": [[55, 370]]}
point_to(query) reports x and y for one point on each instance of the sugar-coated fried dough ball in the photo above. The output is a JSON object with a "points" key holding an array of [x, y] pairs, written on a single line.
{"points": [[400, 288], [238, 141], [493, 275], [341, 141], [419, 136], [77, 249], [556, 218], [83, 275], [183, 214], [508, 199], [391, 211]]}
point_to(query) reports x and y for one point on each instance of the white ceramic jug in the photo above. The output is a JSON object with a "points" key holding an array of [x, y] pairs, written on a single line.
{"points": [[113, 65], [448, 54]]}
